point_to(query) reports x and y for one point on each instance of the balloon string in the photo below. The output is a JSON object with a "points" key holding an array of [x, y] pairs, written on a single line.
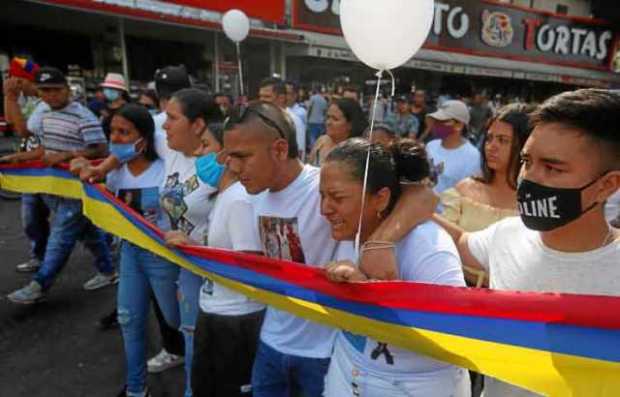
{"points": [[240, 69], [379, 75]]}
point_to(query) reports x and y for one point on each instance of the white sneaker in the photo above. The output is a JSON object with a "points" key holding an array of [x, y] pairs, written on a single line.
{"points": [[28, 295], [163, 361], [30, 266], [101, 280]]}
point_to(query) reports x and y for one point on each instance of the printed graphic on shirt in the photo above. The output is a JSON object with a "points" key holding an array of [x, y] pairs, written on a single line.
{"points": [[207, 287], [173, 201], [379, 352], [143, 201], [436, 170], [280, 238]]}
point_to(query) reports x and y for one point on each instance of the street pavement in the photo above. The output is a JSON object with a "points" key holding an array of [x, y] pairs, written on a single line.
{"points": [[54, 348]]}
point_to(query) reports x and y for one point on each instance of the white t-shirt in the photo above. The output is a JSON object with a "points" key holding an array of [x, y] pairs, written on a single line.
{"points": [[612, 209], [292, 228], [300, 131], [231, 226], [426, 255], [140, 192], [517, 259], [184, 197], [453, 165]]}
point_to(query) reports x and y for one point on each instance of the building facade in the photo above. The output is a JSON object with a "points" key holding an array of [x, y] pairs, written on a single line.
{"points": [[512, 47]]}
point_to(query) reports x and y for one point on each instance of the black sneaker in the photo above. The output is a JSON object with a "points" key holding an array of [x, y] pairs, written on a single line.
{"points": [[108, 322]]}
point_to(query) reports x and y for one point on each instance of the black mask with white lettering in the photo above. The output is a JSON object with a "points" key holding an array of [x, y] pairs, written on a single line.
{"points": [[544, 208]]}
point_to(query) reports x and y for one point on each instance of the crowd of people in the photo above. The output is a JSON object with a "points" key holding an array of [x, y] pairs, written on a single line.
{"points": [[522, 198]]}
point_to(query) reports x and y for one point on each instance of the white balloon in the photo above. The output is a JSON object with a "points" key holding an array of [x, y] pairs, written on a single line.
{"points": [[387, 33], [236, 25]]}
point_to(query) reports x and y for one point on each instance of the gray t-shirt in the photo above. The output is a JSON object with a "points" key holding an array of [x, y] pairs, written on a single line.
{"points": [[517, 259], [317, 109]]}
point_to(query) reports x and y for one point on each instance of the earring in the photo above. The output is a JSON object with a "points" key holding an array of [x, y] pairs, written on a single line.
{"points": [[379, 215]]}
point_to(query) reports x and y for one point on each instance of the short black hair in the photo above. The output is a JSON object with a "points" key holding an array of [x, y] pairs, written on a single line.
{"points": [[354, 114], [595, 112], [196, 104], [140, 117], [277, 84], [270, 116], [405, 161]]}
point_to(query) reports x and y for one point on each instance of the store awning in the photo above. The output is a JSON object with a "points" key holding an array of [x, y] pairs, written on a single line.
{"points": [[334, 47]]}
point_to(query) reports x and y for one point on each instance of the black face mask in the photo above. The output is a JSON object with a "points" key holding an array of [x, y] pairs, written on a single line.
{"points": [[544, 208]]}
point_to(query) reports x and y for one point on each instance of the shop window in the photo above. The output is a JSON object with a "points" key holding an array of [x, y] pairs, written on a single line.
{"points": [[561, 9]]}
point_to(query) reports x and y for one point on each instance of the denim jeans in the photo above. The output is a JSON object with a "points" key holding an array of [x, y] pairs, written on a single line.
{"points": [[35, 221], [140, 273], [189, 294], [281, 375], [316, 130], [68, 226]]}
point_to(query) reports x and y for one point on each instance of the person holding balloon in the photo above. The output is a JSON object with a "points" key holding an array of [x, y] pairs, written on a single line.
{"points": [[362, 366]]}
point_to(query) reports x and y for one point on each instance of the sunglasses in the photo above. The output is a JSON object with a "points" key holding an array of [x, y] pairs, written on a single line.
{"points": [[243, 114]]}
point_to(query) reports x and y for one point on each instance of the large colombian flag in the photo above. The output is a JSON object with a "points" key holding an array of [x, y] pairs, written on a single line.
{"points": [[554, 344]]}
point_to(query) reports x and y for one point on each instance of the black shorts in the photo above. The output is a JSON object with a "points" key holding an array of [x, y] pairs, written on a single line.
{"points": [[224, 350]]}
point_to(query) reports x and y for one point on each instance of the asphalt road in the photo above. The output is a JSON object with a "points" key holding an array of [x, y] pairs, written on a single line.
{"points": [[54, 348]]}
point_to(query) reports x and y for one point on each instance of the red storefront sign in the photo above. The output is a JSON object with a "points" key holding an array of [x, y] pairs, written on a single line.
{"points": [[187, 12], [267, 10]]}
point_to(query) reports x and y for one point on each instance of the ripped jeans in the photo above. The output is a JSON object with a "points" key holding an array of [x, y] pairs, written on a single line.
{"points": [[140, 272], [189, 294]]}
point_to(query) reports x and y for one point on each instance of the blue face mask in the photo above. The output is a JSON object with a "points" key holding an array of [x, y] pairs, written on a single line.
{"points": [[110, 94], [209, 170], [124, 152]]}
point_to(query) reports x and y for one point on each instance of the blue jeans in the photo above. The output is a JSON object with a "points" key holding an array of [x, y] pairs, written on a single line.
{"points": [[280, 375], [140, 272], [35, 221], [189, 294], [68, 226], [316, 130]]}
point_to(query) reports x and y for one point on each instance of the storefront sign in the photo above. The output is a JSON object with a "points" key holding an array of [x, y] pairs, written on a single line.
{"points": [[189, 12], [267, 10], [492, 29]]}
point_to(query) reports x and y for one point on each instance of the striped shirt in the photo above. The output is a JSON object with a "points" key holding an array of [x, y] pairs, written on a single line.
{"points": [[72, 128]]}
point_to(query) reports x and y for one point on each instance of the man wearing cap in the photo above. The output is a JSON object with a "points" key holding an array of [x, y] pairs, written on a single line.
{"points": [[66, 130], [454, 157], [403, 122], [116, 95], [20, 103]]}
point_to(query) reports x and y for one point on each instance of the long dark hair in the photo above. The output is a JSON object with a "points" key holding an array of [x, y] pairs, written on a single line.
{"points": [[517, 115], [140, 117], [354, 114], [404, 161]]}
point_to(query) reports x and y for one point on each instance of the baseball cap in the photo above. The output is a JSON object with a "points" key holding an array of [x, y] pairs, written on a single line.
{"points": [[452, 110], [23, 68], [50, 77], [387, 127], [170, 79], [402, 98], [116, 81]]}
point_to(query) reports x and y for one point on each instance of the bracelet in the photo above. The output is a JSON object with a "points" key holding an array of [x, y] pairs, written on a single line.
{"points": [[372, 245], [364, 249]]}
